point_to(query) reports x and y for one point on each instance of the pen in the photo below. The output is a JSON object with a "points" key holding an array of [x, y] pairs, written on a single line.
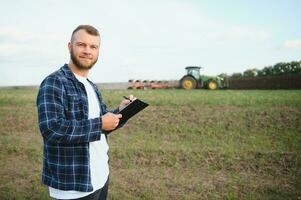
{"points": [[127, 98]]}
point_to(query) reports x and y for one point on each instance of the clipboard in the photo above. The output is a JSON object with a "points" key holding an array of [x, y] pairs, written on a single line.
{"points": [[132, 109]]}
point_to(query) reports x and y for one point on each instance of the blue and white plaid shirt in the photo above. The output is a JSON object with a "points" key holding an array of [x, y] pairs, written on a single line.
{"points": [[63, 120]]}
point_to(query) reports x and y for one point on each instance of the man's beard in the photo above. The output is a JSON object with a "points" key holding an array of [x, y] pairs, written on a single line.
{"points": [[78, 64]]}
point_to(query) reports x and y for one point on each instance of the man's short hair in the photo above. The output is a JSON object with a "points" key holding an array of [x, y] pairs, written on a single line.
{"points": [[88, 28]]}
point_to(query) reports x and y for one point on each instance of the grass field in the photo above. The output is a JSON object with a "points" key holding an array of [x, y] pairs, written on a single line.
{"points": [[186, 145]]}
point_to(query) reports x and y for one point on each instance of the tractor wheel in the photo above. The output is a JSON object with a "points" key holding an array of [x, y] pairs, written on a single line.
{"points": [[188, 83], [212, 85]]}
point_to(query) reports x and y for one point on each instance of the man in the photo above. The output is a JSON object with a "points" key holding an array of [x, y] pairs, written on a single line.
{"points": [[74, 123]]}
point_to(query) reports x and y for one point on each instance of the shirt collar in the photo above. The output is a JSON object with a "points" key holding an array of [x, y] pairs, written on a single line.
{"points": [[81, 78], [69, 74]]}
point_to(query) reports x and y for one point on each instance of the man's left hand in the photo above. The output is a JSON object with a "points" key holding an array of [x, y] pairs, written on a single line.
{"points": [[126, 102]]}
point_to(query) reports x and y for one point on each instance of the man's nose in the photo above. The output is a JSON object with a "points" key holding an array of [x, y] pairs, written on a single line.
{"points": [[87, 50]]}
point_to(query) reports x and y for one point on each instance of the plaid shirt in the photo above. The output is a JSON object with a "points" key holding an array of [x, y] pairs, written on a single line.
{"points": [[63, 120]]}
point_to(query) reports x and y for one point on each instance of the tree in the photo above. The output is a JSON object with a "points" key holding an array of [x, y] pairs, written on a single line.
{"points": [[250, 72], [266, 71], [280, 68], [295, 67], [223, 75], [236, 75]]}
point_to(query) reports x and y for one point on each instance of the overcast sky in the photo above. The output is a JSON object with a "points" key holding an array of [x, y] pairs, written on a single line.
{"points": [[150, 39]]}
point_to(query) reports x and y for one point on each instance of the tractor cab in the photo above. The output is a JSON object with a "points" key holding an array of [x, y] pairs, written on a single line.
{"points": [[193, 71]]}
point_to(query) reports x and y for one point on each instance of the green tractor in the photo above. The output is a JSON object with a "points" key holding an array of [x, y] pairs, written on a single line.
{"points": [[193, 80]]}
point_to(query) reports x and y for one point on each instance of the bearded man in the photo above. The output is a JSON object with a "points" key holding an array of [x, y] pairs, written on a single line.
{"points": [[74, 124]]}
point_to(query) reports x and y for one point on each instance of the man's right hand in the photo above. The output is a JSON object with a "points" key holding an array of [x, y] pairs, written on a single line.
{"points": [[110, 121]]}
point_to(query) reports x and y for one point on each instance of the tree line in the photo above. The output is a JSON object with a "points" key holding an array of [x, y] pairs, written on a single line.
{"points": [[281, 68]]}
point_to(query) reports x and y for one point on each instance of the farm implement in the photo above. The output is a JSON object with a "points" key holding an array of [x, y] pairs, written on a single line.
{"points": [[192, 80]]}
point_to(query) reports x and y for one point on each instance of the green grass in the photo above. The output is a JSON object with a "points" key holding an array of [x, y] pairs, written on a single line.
{"points": [[199, 144]]}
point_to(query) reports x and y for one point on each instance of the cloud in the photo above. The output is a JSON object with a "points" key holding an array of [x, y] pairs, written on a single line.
{"points": [[27, 46], [292, 44], [12, 43], [9, 34], [247, 33], [7, 50], [222, 33]]}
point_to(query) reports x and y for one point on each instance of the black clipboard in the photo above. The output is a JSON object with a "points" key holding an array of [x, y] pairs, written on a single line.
{"points": [[132, 109]]}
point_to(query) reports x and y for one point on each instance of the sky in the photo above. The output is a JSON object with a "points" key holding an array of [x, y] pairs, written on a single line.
{"points": [[150, 39]]}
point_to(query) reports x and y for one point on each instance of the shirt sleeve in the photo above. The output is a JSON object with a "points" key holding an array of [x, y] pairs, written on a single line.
{"points": [[53, 124]]}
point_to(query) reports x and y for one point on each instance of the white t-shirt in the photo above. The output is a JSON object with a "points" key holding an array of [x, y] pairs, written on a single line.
{"points": [[98, 152]]}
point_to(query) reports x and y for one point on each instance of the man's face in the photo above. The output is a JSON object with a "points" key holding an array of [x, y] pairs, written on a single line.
{"points": [[84, 49]]}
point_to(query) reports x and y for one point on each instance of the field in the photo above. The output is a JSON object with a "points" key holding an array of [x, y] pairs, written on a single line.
{"points": [[197, 144]]}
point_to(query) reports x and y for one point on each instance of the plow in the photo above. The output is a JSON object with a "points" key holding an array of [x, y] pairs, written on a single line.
{"points": [[149, 84]]}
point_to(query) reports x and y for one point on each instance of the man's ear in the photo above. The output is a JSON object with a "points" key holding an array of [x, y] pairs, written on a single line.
{"points": [[69, 46]]}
